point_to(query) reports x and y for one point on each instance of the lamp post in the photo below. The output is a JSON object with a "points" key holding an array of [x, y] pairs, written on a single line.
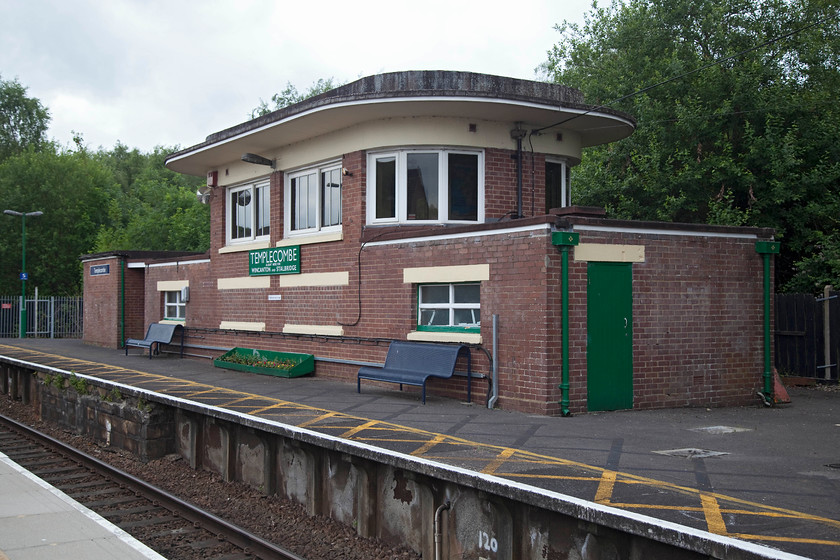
{"points": [[23, 274]]}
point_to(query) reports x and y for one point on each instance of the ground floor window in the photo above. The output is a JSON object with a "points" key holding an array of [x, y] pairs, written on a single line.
{"points": [[175, 308], [447, 307]]}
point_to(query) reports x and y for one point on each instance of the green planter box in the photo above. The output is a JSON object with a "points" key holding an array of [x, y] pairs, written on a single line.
{"points": [[303, 363]]}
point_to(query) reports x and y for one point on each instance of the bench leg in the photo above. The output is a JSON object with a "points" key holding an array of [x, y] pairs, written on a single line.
{"points": [[424, 392], [358, 384]]}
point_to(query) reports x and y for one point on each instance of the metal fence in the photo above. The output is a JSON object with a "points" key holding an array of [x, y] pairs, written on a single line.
{"points": [[52, 317]]}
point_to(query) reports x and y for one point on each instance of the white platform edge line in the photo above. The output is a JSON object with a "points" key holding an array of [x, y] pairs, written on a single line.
{"points": [[90, 514]]}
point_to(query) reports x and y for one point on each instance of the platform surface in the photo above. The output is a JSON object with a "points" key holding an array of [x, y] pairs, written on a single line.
{"points": [[39, 522], [767, 476]]}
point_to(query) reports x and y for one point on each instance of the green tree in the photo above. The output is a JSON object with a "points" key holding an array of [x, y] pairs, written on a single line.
{"points": [[23, 120], [72, 190], [739, 128], [155, 209], [290, 96]]}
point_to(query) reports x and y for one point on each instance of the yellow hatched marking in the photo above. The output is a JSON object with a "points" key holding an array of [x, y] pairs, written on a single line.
{"points": [[350, 433], [500, 459], [714, 519], [505, 453], [428, 445], [605, 488], [316, 419]]}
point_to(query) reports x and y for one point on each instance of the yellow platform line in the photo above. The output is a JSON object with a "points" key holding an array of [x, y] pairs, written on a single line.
{"points": [[352, 432], [605, 487], [507, 454], [428, 445], [714, 519]]}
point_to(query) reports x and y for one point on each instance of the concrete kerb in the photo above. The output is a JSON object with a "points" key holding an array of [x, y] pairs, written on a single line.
{"points": [[695, 540]]}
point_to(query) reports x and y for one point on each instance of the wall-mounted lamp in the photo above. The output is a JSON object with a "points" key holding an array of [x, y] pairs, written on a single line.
{"points": [[257, 159], [212, 179], [346, 172]]}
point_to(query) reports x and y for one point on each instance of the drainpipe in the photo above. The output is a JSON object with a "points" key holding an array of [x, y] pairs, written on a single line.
{"points": [[765, 249], [438, 532], [518, 134], [491, 402], [565, 240], [122, 303]]}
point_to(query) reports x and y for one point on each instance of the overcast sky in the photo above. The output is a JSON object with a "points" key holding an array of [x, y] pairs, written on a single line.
{"points": [[168, 73]]}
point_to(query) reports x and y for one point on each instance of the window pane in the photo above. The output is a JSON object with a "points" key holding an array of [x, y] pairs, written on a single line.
{"points": [[304, 192], [553, 185], [463, 187], [240, 219], [467, 293], [434, 294], [331, 196], [263, 211], [467, 317], [386, 187], [422, 183], [434, 317]]}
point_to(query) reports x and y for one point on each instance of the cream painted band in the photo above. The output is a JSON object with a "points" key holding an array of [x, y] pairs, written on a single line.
{"points": [[172, 285], [241, 326], [310, 239], [601, 252], [245, 247], [313, 279], [244, 283], [322, 330], [430, 336], [462, 273], [168, 322]]}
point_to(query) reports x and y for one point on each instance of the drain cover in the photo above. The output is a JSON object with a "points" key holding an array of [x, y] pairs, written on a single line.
{"points": [[692, 453], [720, 429]]}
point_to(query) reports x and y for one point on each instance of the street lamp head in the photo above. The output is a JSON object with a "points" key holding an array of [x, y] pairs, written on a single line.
{"points": [[26, 214]]}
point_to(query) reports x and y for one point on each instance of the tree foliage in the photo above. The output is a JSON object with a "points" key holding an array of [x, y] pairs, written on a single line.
{"points": [[120, 199], [290, 96], [23, 120], [740, 128]]}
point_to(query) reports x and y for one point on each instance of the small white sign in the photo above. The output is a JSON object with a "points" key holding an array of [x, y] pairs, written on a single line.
{"points": [[275, 297]]}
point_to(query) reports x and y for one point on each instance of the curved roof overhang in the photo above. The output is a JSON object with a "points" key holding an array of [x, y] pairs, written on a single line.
{"points": [[463, 95]]}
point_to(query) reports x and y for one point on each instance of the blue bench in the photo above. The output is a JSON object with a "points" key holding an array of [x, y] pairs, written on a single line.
{"points": [[157, 334], [413, 363]]}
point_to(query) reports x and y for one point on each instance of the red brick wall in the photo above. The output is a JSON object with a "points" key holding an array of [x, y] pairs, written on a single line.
{"points": [[697, 299], [101, 309]]}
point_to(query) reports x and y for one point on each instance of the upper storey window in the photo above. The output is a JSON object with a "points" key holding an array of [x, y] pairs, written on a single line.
{"points": [[557, 185], [434, 185], [314, 196], [248, 213]]}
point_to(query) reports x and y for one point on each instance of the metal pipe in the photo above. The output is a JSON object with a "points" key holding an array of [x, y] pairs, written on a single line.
{"points": [[768, 383], [827, 333], [491, 402], [438, 533]]}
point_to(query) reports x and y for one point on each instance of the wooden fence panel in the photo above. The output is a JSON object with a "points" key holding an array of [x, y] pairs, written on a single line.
{"points": [[799, 335]]}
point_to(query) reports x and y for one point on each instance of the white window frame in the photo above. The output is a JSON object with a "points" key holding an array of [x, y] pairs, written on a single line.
{"points": [[451, 306], [401, 203], [565, 178], [178, 305], [318, 170], [252, 187]]}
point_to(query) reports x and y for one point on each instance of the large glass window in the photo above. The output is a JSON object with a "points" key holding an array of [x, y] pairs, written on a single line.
{"points": [[557, 191], [439, 185], [249, 212], [449, 307], [314, 197]]}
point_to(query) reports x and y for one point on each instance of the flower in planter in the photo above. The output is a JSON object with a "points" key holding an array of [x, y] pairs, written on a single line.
{"points": [[255, 360]]}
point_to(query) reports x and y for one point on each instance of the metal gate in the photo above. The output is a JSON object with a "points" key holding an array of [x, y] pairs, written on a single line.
{"points": [[802, 335], [53, 317]]}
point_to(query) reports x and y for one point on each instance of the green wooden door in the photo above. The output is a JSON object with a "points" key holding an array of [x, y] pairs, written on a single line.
{"points": [[609, 349]]}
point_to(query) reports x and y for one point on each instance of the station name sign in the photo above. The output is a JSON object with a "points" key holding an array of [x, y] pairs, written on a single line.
{"points": [[279, 260], [100, 269]]}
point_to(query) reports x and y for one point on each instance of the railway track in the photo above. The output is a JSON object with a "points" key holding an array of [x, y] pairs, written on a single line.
{"points": [[174, 528]]}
